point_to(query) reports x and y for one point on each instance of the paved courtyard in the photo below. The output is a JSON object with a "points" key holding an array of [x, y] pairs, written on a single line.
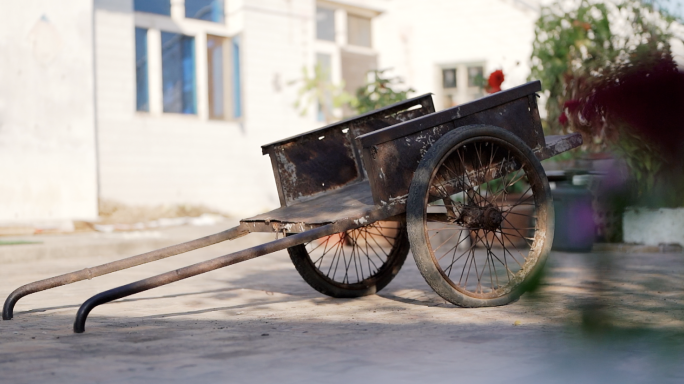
{"points": [[597, 318]]}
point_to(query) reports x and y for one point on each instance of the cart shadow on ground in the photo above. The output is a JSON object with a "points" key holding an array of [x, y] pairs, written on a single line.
{"points": [[330, 348], [595, 317], [591, 286]]}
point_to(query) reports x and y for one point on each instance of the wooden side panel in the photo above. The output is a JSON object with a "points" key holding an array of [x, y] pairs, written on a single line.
{"points": [[315, 164], [390, 165], [327, 159]]}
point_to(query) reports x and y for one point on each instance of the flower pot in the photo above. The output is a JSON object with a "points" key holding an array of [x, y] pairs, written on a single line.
{"points": [[575, 227]]}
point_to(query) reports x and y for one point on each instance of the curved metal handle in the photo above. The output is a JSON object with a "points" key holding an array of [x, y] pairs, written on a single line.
{"points": [[89, 273], [199, 268]]}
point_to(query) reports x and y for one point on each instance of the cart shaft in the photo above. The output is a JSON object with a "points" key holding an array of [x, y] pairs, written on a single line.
{"points": [[89, 273], [199, 268]]}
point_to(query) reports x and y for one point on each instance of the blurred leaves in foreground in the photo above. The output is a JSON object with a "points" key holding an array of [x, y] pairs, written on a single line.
{"points": [[608, 72]]}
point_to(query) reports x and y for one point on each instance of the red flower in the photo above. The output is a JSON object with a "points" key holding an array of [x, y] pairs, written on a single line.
{"points": [[584, 25], [494, 81]]}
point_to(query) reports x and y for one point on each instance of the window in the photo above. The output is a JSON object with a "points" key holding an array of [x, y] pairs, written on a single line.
{"points": [[324, 64], [215, 56], [209, 10], [178, 73], [167, 77], [358, 31], [160, 7], [142, 101], [475, 76], [461, 83], [325, 24], [449, 78], [219, 50], [355, 69], [237, 84], [343, 48]]}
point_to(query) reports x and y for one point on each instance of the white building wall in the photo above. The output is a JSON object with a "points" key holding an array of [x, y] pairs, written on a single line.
{"points": [[416, 37], [48, 167], [49, 73], [47, 139], [157, 158]]}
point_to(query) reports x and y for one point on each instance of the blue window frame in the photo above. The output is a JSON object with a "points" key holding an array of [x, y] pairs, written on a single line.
{"points": [[223, 63], [209, 10], [178, 73], [142, 99], [160, 7], [237, 85], [215, 55]]}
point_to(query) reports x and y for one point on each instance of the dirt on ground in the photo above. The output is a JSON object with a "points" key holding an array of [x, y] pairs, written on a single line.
{"points": [[596, 318], [117, 216], [113, 212]]}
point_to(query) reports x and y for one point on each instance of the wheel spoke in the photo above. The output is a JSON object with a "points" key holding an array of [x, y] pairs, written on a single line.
{"points": [[516, 248], [467, 251], [327, 240], [516, 229], [353, 256], [505, 262], [337, 250], [455, 247], [519, 214], [370, 259], [487, 248], [379, 230], [472, 260], [445, 241], [490, 262]]}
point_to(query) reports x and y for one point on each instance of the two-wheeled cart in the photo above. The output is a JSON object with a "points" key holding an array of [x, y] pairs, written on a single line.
{"points": [[462, 188]]}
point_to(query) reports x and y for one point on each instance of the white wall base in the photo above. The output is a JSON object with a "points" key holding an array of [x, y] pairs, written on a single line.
{"points": [[653, 226]]}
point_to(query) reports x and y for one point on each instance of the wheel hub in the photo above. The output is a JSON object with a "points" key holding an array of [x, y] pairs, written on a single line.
{"points": [[474, 217], [492, 218]]}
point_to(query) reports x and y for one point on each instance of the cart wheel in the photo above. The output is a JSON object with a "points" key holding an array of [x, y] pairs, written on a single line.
{"points": [[354, 263], [480, 216]]}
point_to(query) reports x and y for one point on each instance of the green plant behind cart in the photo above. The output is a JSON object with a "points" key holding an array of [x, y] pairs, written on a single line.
{"points": [[316, 89], [379, 92], [593, 60]]}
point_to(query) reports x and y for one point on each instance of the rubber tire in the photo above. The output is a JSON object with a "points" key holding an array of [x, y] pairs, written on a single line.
{"points": [[415, 210], [323, 284]]}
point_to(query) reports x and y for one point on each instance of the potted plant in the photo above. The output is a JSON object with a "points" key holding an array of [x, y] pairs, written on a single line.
{"points": [[620, 87]]}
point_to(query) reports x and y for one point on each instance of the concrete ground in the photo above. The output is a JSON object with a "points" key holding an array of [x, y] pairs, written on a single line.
{"points": [[597, 318]]}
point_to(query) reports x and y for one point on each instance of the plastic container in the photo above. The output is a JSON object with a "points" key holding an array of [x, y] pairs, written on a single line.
{"points": [[575, 226]]}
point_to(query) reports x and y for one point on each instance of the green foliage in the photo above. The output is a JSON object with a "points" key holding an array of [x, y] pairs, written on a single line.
{"points": [[574, 48], [496, 185], [18, 242], [565, 42], [591, 46], [316, 89], [642, 159], [379, 93]]}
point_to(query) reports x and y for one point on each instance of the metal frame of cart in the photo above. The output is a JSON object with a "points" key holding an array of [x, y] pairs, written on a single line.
{"points": [[463, 189]]}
